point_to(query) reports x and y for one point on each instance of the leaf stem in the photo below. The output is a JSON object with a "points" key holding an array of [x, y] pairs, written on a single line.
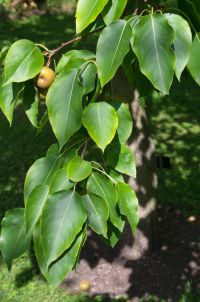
{"points": [[103, 172], [44, 47]]}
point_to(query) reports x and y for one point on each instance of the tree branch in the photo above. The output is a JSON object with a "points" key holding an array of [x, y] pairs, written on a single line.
{"points": [[54, 51]]}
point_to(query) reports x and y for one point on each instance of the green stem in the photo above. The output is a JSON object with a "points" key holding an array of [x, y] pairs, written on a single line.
{"points": [[103, 172]]}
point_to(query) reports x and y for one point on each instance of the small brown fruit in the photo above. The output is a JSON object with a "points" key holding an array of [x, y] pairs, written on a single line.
{"points": [[84, 285], [45, 78]]}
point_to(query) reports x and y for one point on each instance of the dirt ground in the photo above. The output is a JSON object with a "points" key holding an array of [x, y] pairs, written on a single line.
{"points": [[132, 270]]}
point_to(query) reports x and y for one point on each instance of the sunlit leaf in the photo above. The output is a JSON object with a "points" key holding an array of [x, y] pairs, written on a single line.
{"points": [[78, 169], [87, 11], [24, 61], [112, 46], [64, 103], [100, 120], [152, 40], [113, 10], [182, 42]]}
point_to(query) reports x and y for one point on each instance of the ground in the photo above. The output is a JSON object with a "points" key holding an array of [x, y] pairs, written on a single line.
{"points": [[132, 270]]}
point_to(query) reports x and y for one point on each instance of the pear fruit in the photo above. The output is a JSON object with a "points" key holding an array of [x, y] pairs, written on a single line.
{"points": [[45, 78]]}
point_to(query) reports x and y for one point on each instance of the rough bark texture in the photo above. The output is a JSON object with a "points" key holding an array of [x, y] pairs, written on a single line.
{"points": [[144, 149]]}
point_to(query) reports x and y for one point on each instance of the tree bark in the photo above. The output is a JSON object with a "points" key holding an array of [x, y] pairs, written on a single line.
{"points": [[143, 147]]}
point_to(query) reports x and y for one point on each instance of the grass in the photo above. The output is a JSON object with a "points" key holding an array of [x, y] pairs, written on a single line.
{"points": [[174, 122], [189, 295]]}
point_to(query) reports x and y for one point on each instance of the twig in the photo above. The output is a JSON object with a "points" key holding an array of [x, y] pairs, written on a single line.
{"points": [[54, 51]]}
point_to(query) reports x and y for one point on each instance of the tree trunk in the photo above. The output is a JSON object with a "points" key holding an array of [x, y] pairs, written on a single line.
{"points": [[143, 147]]}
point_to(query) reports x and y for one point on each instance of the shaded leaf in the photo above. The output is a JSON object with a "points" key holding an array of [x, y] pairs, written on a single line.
{"points": [[13, 240], [64, 265], [62, 219], [121, 158], [41, 172], [125, 124], [88, 77], [9, 96], [98, 213], [30, 100], [99, 185], [128, 204], [114, 233], [34, 206], [194, 63]]}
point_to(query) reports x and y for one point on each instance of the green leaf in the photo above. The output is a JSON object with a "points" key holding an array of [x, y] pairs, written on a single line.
{"points": [[127, 66], [74, 58], [34, 206], [121, 158], [9, 96], [13, 240], [53, 151], [68, 156], [30, 100], [128, 204], [98, 213], [87, 11], [113, 10], [60, 181], [125, 125], [114, 233], [152, 42], [103, 187], [100, 120], [118, 177], [182, 43], [62, 219], [43, 122], [88, 77], [112, 46], [64, 103], [78, 169], [3, 53], [194, 62], [64, 265], [41, 172], [24, 61]]}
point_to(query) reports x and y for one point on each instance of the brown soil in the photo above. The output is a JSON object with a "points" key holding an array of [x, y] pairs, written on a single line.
{"points": [[133, 270]]}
